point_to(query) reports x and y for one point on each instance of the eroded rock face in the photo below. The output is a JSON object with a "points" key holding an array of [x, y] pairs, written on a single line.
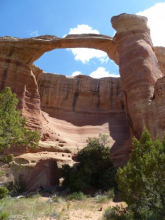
{"points": [[88, 107], [81, 94]]}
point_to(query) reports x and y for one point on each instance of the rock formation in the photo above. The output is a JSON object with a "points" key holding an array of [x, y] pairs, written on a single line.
{"points": [[67, 110], [139, 69]]}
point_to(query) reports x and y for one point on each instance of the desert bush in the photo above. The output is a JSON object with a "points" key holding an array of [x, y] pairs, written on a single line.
{"points": [[4, 215], [3, 192], [118, 213], [126, 213], [58, 199], [110, 193], [95, 169], [7, 159], [76, 196], [105, 196], [17, 187], [101, 198]]}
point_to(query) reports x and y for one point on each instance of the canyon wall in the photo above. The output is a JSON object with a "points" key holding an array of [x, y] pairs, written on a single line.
{"points": [[88, 106]]}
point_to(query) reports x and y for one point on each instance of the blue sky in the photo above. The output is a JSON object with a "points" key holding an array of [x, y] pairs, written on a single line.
{"points": [[30, 18]]}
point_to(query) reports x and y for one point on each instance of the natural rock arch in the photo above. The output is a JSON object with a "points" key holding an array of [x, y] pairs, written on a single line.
{"points": [[131, 48]]}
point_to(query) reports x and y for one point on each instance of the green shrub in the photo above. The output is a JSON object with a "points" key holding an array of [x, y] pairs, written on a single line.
{"points": [[110, 193], [76, 196], [118, 213], [104, 197], [1, 173], [142, 180], [95, 169], [101, 198], [125, 213], [58, 199], [7, 159], [4, 215], [17, 187], [3, 192]]}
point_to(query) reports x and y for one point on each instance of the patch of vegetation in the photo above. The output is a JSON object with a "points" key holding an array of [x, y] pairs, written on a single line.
{"points": [[125, 213], [7, 159], [3, 192], [118, 213], [1, 173], [27, 208], [17, 187], [13, 131], [95, 168], [142, 180], [76, 196], [104, 197], [58, 199], [4, 215]]}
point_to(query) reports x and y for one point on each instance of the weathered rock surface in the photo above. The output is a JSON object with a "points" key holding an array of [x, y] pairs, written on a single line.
{"points": [[160, 54], [67, 110], [139, 69], [81, 106]]}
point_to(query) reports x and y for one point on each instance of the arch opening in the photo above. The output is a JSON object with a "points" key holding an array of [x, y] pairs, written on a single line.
{"points": [[78, 61]]}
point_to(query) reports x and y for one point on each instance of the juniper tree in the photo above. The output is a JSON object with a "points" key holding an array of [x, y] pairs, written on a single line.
{"points": [[13, 130], [142, 180]]}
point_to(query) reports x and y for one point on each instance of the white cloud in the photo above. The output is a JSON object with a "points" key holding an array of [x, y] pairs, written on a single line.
{"points": [[83, 29], [76, 73], [104, 60], [85, 55], [101, 72], [156, 21], [34, 33]]}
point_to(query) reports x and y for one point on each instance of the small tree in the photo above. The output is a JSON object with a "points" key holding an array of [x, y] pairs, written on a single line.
{"points": [[142, 180], [95, 167], [13, 129]]}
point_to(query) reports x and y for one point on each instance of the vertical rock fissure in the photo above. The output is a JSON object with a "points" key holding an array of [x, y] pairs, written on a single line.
{"points": [[98, 89], [76, 95]]}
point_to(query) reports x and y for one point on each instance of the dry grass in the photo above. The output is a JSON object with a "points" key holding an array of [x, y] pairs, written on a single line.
{"points": [[41, 208]]}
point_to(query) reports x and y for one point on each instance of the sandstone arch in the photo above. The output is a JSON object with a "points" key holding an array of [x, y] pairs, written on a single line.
{"points": [[131, 48], [18, 55]]}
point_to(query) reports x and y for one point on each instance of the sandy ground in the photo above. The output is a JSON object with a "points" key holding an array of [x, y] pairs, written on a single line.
{"points": [[96, 212]]}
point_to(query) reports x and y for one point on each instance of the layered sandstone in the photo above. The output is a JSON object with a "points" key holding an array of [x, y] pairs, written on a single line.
{"points": [[139, 69], [88, 106]]}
